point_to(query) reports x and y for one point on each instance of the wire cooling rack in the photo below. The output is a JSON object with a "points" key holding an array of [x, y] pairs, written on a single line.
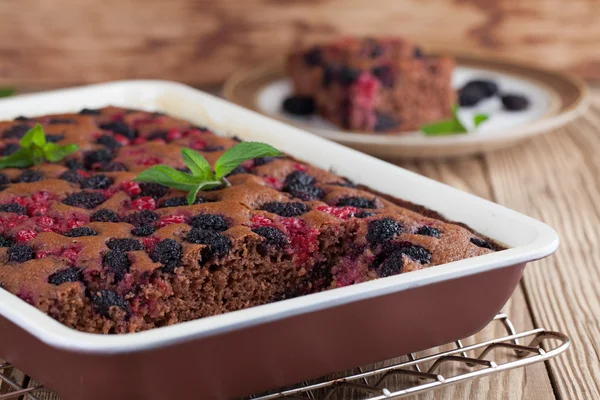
{"points": [[393, 379]]}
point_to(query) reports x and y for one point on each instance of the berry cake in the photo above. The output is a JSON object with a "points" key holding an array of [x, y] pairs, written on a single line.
{"points": [[373, 85], [86, 244]]}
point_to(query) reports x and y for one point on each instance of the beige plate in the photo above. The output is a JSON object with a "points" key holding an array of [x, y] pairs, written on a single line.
{"points": [[556, 98]]}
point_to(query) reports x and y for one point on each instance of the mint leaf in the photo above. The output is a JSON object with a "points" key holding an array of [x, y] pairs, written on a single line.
{"points": [[34, 136], [479, 118], [54, 152], [197, 164], [191, 196], [241, 152], [6, 92], [451, 126], [169, 176], [19, 159]]}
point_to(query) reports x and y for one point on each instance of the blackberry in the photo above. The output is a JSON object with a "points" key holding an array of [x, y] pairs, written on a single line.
{"points": [[348, 75], [74, 164], [4, 179], [212, 149], [16, 131], [20, 253], [274, 237], [299, 105], [391, 265], [487, 87], [116, 262], [120, 128], [169, 253], [99, 181], [82, 231], [382, 230], [9, 149], [108, 141], [65, 275], [59, 121], [126, 244], [144, 217], [71, 176], [210, 222], [144, 230], [514, 102], [384, 122], [482, 243], [469, 96], [238, 170], [358, 202], [97, 156], [87, 200], [413, 251], [291, 209], [263, 160], [89, 111], [113, 167], [12, 208], [300, 178], [181, 201], [29, 176], [385, 75], [364, 214], [54, 138], [217, 244], [301, 185], [428, 231], [22, 118], [313, 57], [5, 242], [155, 190], [104, 300], [104, 215]]}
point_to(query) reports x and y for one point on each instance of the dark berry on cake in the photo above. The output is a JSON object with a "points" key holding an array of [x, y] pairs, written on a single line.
{"points": [[347, 76], [144, 217], [124, 244], [358, 202], [482, 243], [313, 57], [273, 236], [89, 111], [99, 181], [97, 157], [4, 179], [175, 202], [415, 252], [238, 170], [105, 300], [211, 222], [391, 265], [22, 118], [85, 199], [74, 165], [116, 262], [9, 149], [81, 231], [384, 122], [301, 185], [291, 209], [16, 131], [263, 160], [418, 52], [28, 176], [12, 208], [212, 149], [299, 105], [364, 214], [54, 138], [5, 242], [155, 190], [60, 121], [20, 253], [120, 128], [385, 75], [382, 230], [169, 253], [428, 231], [514, 102], [104, 215], [108, 141], [144, 230], [71, 175], [65, 275], [218, 245], [112, 167]]}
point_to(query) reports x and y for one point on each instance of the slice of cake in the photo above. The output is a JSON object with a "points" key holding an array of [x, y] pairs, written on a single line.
{"points": [[374, 85], [84, 243]]}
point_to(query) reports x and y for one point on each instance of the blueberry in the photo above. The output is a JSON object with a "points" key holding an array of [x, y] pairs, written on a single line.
{"points": [[385, 123], [428, 231], [82, 231], [487, 87], [217, 244], [12, 208], [74, 165], [71, 175], [299, 105], [274, 237], [60, 121], [99, 181], [358, 202], [116, 262], [313, 57], [145, 217], [97, 156], [211, 222], [364, 214], [126, 244], [348, 75], [9, 149], [144, 230], [85, 199], [385, 74], [301, 185], [112, 167], [169, 253], [120, 128], [104, 300], [382, 230], [514, 102], [29, 176], [16, 131], [154, 190], [108, 141], [65, 275], [104, 215], [213, 148], [482, 243], [4, 179], [20, 253], [89, 111], [291, 209], [54, 138], [5, 242]]}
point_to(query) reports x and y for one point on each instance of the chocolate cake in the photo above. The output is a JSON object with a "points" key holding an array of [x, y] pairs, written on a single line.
{"points": [[373, 85], [86, 244]]}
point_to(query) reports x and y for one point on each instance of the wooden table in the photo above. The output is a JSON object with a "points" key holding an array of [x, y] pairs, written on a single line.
{"points": [[554, 178]]}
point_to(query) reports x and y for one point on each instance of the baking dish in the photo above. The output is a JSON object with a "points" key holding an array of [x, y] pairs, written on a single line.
{"points": [[247, 351]]}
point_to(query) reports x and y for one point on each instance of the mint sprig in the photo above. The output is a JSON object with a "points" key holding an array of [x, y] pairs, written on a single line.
{"points": [[35, 149], [202, 177], [451, 126], [6, 92]]}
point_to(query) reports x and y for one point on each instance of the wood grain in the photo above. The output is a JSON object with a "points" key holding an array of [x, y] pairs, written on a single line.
{"points": [[49, 43]]}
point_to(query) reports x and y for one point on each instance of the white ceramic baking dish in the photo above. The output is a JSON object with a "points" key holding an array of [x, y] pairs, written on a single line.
{"points": [[251, 350]]}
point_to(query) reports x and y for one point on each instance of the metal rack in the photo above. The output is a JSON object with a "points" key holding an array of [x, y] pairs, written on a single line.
{"points": [[394, 379]]}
